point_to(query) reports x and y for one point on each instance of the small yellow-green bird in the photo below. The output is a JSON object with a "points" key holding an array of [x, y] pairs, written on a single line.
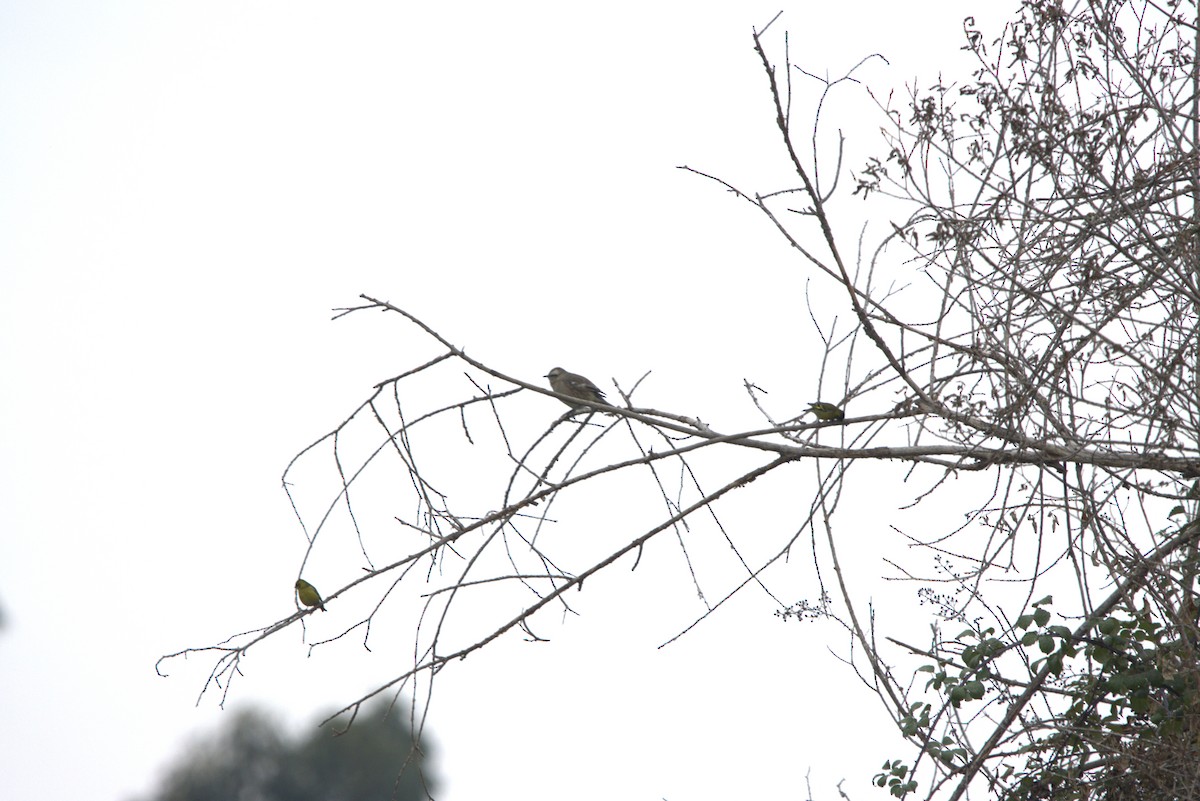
{"points": [[308, 594], [826, 411]]}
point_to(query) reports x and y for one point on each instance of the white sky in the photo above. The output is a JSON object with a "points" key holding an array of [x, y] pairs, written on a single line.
{"points": [[186, 190]]}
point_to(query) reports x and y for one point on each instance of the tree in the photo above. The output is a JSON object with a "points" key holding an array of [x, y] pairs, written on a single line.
{"points": [[1054, 206], [1023, 330], [250, 759]]}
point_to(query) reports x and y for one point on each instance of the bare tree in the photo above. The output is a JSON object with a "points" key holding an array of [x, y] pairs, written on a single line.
{"points": [[1053, 207], [1026, 318]]}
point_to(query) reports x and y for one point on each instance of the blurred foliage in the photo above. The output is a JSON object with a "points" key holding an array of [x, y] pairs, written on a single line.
{"points": [[250, 758]]}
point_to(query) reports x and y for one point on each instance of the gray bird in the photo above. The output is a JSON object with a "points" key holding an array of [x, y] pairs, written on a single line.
{"points": [[576, 386]]}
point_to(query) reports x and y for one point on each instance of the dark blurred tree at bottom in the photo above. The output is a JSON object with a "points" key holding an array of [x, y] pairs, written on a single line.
{"points": [[252, 759]]}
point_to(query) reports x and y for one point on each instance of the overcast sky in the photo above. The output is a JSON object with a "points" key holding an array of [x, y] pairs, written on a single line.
{"points": [[187, 190]]}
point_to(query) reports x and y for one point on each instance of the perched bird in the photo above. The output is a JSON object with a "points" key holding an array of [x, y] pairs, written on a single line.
{"points": [[826, 411], [576, 386], [308, 594]]}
